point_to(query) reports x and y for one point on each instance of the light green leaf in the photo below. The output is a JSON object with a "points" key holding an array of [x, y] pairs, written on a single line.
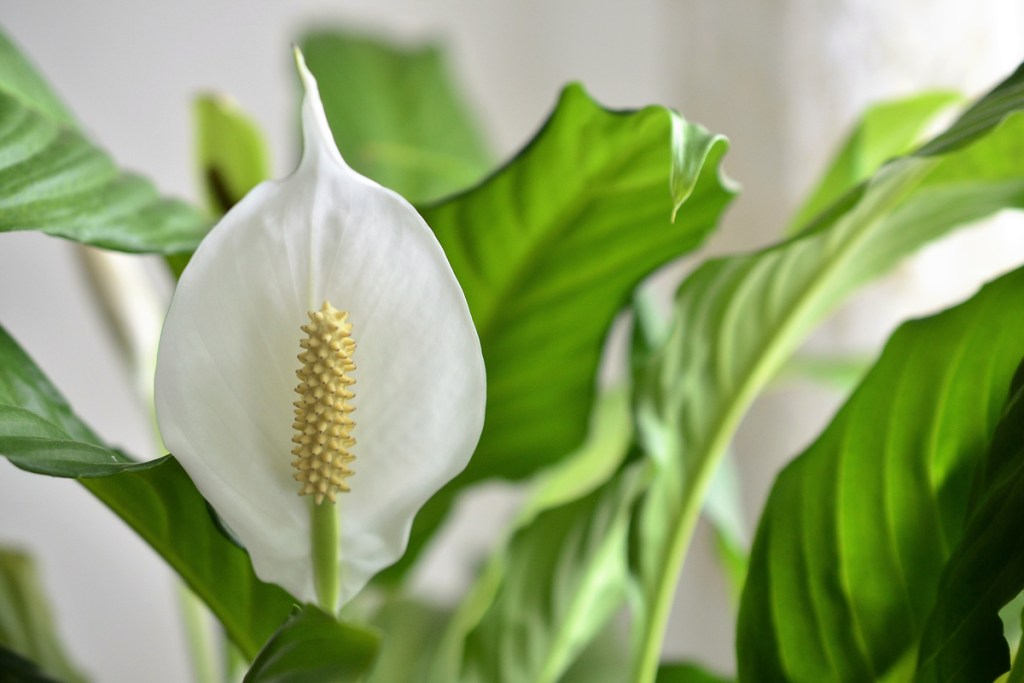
{"points": [[501, 595], [26, 622], [396, 115], [53, 179], [886, 130], [39, 433], [850, 550], [231, 152], [21, 80], [411, 632], [739, 318], [963, 636], [313, 647], [567, 573]]}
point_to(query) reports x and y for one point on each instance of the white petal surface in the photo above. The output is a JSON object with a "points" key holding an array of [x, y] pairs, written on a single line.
{"points": [[226, 369]]}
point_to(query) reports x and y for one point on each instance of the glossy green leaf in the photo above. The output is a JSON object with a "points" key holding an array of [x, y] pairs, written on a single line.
{"points": [[231, 152], [851, 545], [39, 433], [26, 622], [884, 131], [963, 637], [396, 115], [313, 647], [739, 318], [53, 179], [687, 673]]}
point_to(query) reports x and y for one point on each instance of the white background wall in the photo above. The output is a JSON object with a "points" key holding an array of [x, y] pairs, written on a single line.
{"points": [[782, 78]]}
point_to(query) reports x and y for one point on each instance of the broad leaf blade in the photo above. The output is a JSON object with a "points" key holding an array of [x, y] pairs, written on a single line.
{"points": [[739, 318], [591, 190], [26, 623], [313, 647], [55, 180], [39, 433], [846, 565], [963, 637], [596, 189], [886, 130], [395, 114]]}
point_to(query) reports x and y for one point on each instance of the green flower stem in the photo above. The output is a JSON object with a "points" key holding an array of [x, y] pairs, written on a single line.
{"points": [[326, 555], [200, 636]]}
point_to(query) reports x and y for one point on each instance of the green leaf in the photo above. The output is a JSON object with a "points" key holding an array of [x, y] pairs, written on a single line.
{"points": [[847, 560], [550, 536], [687, 673], [231, 152], [567, 573], [886, 130], [396, 115], [739, 318], [18, 669], [26, 622], [411, 633], [53, 179], [39, 433], [313, 647], [963, 637]]}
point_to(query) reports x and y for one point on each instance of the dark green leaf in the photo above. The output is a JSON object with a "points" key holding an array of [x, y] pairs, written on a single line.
{"points": [[687, 673], [53, 179], [39, 433], [16, 669], [395, 114], [884, 131], [26, 622], [739, 318], [313, 647], [848, 556], [963, 637]]}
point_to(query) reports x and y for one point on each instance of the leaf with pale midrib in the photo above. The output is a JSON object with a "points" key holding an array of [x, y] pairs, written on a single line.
{"points": [[849, 553], [739, 318]]}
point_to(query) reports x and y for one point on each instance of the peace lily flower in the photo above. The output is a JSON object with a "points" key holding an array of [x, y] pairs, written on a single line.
{"points": [[319, 376]]}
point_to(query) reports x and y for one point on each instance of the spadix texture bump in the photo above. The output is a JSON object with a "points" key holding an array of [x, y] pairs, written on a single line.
{"points": [[226, 372]]}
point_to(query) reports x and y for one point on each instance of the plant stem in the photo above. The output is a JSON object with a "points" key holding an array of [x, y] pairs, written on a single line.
{"points": [[326, 555]]}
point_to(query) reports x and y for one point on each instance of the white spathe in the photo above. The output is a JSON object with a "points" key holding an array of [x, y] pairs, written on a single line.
{"points": [[225, 375]]}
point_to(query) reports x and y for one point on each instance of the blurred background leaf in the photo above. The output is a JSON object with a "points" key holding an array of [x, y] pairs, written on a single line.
{"points": [[396, 114], [27, 628], [53, 179], [885, 130]]}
